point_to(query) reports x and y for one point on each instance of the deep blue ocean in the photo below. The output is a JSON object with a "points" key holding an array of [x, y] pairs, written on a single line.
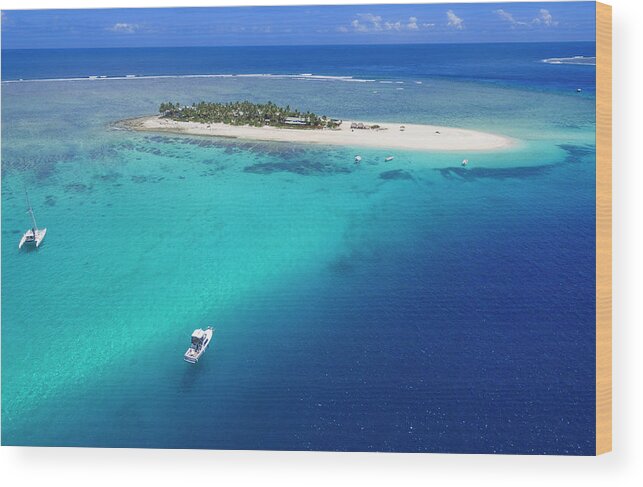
{"points": [[412, 306], [494, 63]]}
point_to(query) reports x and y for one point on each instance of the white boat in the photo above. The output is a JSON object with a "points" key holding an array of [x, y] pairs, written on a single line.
{"points": [[389, 158], [358, 159], [200, 341], [34, 234], [465, 162]]}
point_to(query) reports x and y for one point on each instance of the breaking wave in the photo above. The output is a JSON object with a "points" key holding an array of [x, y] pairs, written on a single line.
{"points": [[584, 60], [303, 76]]}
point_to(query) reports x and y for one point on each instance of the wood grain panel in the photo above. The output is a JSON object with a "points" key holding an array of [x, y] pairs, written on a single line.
{"points": [[603, 228]]}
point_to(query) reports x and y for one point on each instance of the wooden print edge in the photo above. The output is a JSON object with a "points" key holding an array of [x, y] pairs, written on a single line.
{"points": [[603, 228]]}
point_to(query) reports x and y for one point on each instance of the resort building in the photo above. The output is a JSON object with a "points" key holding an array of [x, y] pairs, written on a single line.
{"points": [[295, 121]]}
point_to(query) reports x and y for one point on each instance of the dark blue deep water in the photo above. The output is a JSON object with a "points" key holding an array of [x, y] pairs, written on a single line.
{"points": [[505, 63]]}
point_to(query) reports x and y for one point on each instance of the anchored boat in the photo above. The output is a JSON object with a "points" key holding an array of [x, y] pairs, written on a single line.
{"points": [[34, 234], [200, 341]]}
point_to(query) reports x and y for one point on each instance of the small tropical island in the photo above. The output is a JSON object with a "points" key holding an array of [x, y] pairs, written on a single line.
{"points": [[247, 113], [273, 123]]}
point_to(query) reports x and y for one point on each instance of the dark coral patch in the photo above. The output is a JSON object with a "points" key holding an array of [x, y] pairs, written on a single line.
{"points": [[396, 174], [471, 174], [304, 168], [576, 153], [147, 179], [109, 178], [78, 188]]}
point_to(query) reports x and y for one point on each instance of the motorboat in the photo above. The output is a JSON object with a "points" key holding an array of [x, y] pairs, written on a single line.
{"points": [[200, 341]]}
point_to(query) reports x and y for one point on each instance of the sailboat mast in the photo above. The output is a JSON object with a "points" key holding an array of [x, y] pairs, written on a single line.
{"points": [[30, 210]]}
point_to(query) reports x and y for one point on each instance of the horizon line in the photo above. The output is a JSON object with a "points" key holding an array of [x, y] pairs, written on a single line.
{"points": [[295, 46]]}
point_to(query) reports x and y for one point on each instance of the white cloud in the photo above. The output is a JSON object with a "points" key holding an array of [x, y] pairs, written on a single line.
{"points": [[413, 23], [393, 25], [545, 18], [374, 23], [263, 29], [124, 27], [454, 21], [504, 15], [368, 22], [359, 27]]}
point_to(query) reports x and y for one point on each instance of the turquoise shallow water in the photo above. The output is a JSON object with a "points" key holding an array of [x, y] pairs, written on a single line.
{"points": [[404, 306]]}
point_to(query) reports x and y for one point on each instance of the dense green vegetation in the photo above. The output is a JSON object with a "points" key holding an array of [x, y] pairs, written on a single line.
{"points": [[246, 113]]}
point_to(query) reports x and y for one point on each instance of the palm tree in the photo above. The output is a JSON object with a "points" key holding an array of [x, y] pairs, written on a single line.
{"points": [[242, 113]]}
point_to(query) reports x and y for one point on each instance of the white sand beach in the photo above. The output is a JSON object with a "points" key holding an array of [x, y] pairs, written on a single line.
{"points": [[387, 136]]}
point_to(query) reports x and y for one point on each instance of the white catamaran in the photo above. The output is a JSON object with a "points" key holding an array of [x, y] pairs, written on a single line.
{"points": [[34, 234]]}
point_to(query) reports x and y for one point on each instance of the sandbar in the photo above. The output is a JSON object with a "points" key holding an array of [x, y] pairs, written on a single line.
{"points": [[403, 136]]}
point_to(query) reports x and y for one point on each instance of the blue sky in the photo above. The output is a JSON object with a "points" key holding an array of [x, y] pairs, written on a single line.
{"points": [[345, 24]]}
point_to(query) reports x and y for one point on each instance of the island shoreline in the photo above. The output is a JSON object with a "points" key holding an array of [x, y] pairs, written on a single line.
{"points": [[415, 137]]}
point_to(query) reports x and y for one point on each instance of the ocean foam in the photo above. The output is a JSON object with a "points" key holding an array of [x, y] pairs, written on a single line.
{"points": [[130, 77], [580, 60]]}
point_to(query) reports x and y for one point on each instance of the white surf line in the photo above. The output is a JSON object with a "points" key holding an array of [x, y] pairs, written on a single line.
{"points": [[311, 77], [575, 60]]}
